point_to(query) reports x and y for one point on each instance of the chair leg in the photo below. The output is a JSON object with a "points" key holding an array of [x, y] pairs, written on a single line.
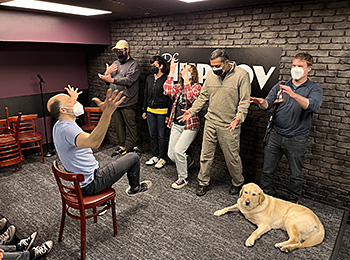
{"points": [[15, 168], [94, 211], [114, 216], [83, 235], [42, 152], [63, 220]]}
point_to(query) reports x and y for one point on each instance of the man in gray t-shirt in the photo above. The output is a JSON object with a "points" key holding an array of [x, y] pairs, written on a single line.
{"points": [[73, 145]]}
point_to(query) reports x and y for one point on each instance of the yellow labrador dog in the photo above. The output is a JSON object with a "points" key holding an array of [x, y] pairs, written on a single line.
{"points": [[303, 226]]}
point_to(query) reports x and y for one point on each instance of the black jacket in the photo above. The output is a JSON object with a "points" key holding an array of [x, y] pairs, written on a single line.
{"points": [[154, 97]]}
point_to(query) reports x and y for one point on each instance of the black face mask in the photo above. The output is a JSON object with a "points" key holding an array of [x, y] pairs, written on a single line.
{"points": [[120, 56], [218, 71], [154, 69]]}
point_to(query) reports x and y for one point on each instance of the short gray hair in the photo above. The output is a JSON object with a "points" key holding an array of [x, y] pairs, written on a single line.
{"points": [[219, 53], [55, 109]]}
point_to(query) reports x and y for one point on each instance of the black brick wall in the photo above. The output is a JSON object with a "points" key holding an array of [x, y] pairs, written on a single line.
{"points": [[321, 28]]}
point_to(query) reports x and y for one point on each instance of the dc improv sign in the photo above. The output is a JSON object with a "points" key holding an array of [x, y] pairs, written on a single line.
{"points": [[262, 64]]}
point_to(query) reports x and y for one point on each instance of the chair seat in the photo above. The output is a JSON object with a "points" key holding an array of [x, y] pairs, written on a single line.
{"points": [[29, 137], [7, 139], [89, 127], [91, 201]]}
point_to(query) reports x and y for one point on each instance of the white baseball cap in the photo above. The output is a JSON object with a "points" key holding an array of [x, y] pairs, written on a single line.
{"points": [[121, 45]]}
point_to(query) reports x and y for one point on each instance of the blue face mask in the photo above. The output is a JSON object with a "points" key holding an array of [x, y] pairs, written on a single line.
{"points": [[189, 75]]}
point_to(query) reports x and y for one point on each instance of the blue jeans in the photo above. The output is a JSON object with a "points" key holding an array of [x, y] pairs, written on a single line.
{"points": [[157, 133], [294, 149]]}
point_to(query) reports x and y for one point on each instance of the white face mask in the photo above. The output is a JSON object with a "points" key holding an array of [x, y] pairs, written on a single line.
{"points": [[297, 73], [78, 109]]}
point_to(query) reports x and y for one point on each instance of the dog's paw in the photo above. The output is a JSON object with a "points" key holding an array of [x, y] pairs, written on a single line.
{"points": [[282, 247], [250, 241], [285, 249], [278, 245], [219, 212]]}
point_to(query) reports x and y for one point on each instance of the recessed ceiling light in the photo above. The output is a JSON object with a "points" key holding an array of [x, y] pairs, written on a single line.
{"points": [[54, 7], [192, 1]]}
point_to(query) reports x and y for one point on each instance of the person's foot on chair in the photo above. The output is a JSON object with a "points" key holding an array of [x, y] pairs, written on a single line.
{"points": [[101, 206], [202, 190], [234, 189], [119, 151], [41, 250], [26, 243], [3, 222], [7, 237], [143, 187]]}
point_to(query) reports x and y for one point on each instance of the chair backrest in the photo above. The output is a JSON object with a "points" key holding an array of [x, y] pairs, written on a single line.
{"points": [[70, 194], [27, 124], [4, 128], [93, 114], [10, 151], [5, 123]]}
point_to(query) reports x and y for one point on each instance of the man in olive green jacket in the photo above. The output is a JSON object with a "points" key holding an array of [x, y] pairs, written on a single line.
{"points": [[227, 91]]}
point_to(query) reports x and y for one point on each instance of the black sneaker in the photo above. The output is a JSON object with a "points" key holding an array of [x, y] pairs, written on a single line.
{"points": [[119, 151], [234, 189], [101, 206], [143, 187], [26, 243], [43, 249], [202, 190], [137, 151]]}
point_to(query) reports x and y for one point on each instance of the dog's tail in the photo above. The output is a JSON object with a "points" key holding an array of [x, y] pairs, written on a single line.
{"points": [[315, 238]]}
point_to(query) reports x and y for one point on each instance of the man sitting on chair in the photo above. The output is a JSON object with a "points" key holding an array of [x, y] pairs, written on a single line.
{"points": [[73, 145]]}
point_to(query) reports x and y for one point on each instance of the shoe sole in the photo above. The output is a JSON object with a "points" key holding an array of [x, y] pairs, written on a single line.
{"points": [[179, 187], [32, 241], [149, 185], [12, 232], [159, 167]]}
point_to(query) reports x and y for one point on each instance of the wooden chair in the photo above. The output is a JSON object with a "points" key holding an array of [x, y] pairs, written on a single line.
{"points": [[28, 134], [72, 197], [93, 116], [10, 152]]}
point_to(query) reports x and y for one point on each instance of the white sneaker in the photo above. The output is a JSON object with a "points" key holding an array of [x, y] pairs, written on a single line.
{"points": [[152, 161], [160, 163], [180, 183], [3, 222]]}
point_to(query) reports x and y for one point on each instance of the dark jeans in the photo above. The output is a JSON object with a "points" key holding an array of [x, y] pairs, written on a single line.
{"points": [[10, 253], [124, 119], [109, 172], [294, 149], [157, 132]]}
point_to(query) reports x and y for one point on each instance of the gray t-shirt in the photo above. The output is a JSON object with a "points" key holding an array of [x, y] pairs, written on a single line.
{"points": [[73, 158]]}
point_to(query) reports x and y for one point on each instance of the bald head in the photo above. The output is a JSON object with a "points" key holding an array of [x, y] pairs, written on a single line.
{"points": [[56, 102]]}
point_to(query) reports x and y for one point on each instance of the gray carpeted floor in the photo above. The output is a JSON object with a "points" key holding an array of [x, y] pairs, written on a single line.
{"points": [[161, 224]]}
